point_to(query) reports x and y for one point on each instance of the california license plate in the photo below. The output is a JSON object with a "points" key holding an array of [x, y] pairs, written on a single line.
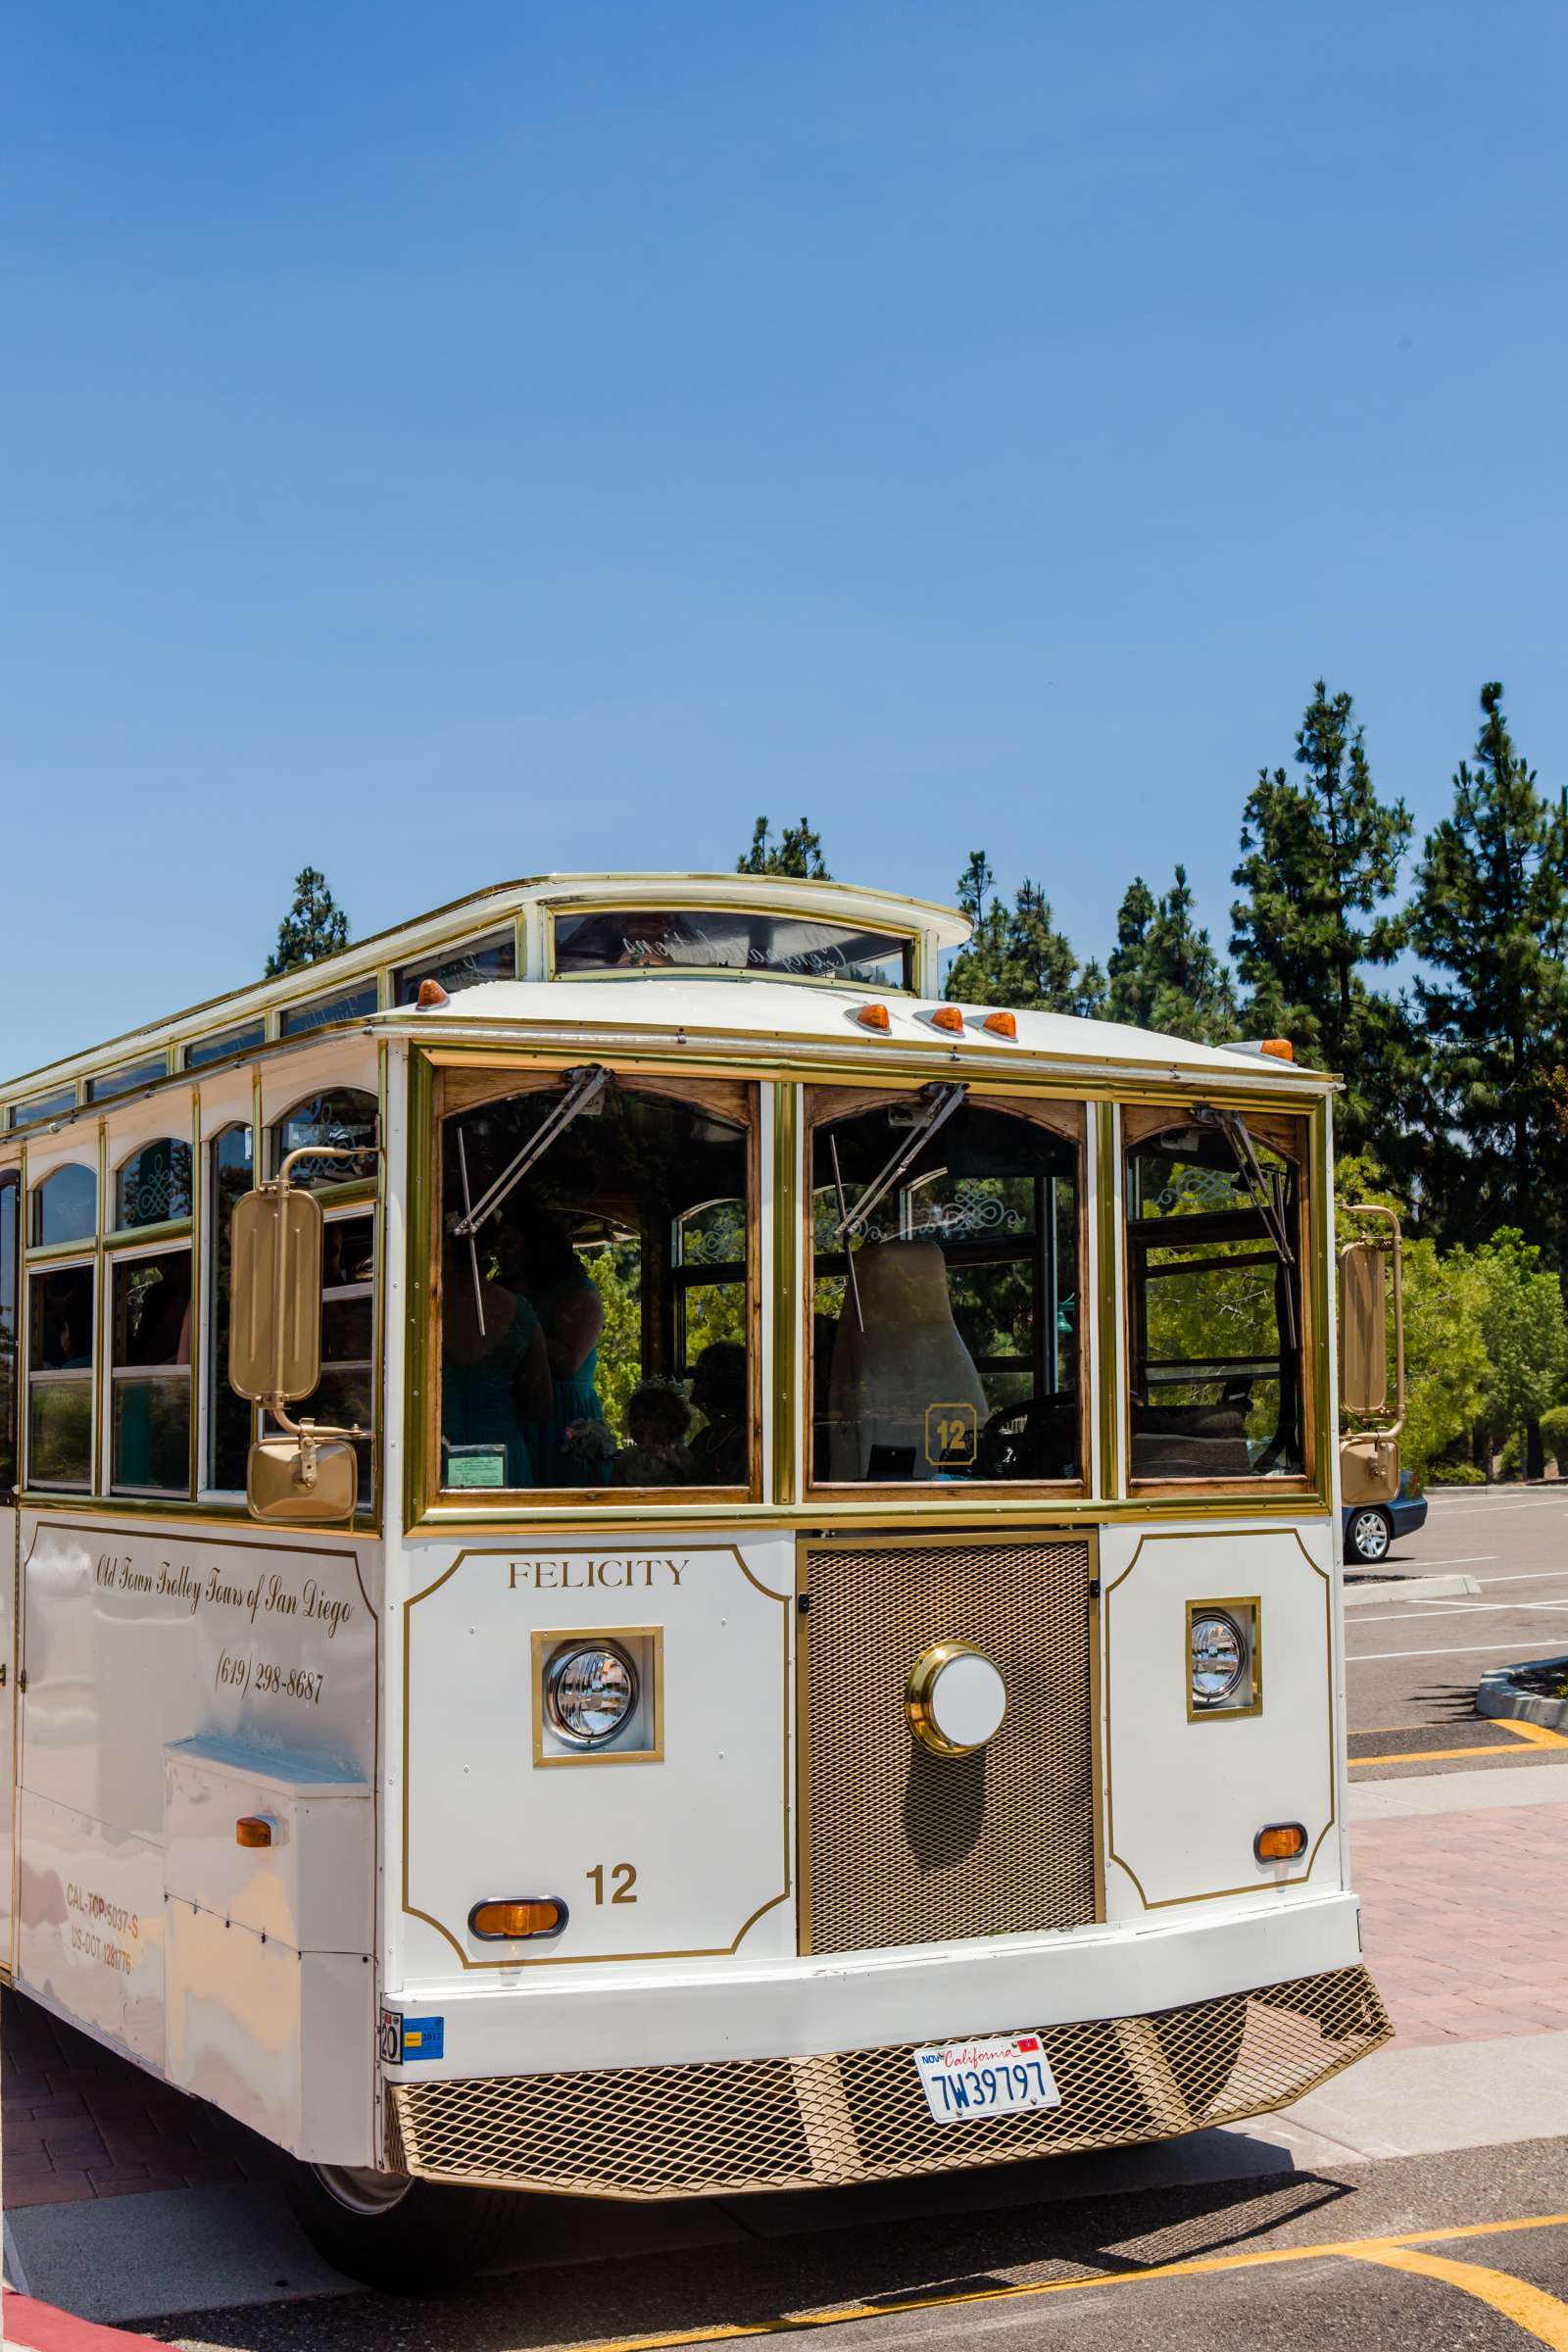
{"points": [[1005, 2075]]}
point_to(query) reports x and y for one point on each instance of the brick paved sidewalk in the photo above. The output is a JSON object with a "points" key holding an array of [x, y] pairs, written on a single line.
{"points": [[1465, 1920], [81, 2123]]}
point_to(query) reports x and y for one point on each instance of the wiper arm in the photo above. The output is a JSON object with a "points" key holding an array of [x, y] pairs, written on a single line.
{"points": [[1261, 1194], [941, 1102], [584, 1089]]}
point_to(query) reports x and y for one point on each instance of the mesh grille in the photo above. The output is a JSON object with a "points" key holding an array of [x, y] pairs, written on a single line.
{"points": [[903, 1847], [798, 2122]]}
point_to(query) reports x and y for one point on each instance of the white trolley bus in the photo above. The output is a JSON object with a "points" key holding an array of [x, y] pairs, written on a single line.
{"points": [[650, 1562]]}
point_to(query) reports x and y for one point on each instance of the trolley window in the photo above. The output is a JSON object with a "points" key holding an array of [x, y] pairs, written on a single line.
{"points": [[64, 1207], [1214, 1299], [946, 1273], [60, 1340], [9, 1237], [229, 1418], [345, 1394], [596, 1286], [153, 1186], [150, 1374], [345, 1119]]}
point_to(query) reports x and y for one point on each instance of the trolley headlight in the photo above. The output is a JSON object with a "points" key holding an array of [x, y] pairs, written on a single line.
{"points": [[590, 1693], [1221, 1656]]}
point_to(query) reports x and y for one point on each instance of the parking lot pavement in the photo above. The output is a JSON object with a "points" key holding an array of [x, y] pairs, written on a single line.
{"points": [[1413, 1665], [1467, 2251]]}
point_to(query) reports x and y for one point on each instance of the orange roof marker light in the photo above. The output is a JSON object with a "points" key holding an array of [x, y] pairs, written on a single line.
{"points": [[950, 1018], [1280, 1048], [431, 994], [1001, 1024], [873, 1016]]}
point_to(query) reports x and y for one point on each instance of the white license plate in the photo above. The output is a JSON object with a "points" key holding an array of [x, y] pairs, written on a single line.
{"points": [[1005, 2075]]}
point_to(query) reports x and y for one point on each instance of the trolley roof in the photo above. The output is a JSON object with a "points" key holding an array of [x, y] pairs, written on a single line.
{"points": [[747, 1012]]}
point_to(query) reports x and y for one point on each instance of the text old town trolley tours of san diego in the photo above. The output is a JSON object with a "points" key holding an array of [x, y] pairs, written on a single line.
{"points": [[649, 1562]]}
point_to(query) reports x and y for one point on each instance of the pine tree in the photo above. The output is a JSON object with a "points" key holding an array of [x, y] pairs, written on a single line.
{"points": [[1018, 957], [1491, 922], [314, 927], [798, 854], [1165, 972], [1320, 859]]}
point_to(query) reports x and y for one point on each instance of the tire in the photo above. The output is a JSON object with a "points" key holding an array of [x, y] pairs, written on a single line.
{"points": [[1369, 1536], [406, 2237]]}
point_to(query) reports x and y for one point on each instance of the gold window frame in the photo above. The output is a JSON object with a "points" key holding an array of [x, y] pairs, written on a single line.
{"points": [[1063, 1117], [1291, 1135], [461, 1084]]}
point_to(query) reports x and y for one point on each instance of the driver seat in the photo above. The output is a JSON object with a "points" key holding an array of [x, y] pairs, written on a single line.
{"points": [[909, 1357]]}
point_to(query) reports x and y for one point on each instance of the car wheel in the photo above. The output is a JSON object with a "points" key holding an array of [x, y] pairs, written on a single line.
{"points": [[405, 2237], [1371, 1532]]}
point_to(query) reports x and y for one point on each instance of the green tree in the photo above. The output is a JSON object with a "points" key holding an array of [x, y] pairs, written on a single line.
{"points": [[1525, 1332], [1491, 922], [1018, 957], [1320, 861], [797, 853], [314, 927], [1163, 972]]}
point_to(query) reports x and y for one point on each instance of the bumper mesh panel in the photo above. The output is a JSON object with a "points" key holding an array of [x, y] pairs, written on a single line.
{"points": [[901, 1846], [861, 2115]]}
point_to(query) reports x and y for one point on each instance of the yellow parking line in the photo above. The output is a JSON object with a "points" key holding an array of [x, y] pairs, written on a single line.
{"points": [[1527, 1735], [1540, 2315], [1362, 2249]]}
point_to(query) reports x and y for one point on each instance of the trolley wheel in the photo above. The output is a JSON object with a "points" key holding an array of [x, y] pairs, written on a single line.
{"points": [[1370, 1534], [405, 2236]]}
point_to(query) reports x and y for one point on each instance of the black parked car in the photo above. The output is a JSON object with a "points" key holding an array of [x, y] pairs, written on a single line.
{"points": [[1371, 1527]]}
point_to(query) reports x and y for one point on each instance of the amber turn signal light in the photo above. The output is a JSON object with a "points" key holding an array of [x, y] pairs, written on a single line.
{"points": [[1280, 1046], [874, 1016], [949, 1017], [431, 994], [504, 1923], [1280, 1841], [1001, 1024], [253, 1828]]}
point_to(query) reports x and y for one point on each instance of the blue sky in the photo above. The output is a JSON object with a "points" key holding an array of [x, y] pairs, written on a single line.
{"points": [[451, 443]]}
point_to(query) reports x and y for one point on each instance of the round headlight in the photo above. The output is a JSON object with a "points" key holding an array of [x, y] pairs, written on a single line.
{"points": [[1220, 1657], [590, 1693]]}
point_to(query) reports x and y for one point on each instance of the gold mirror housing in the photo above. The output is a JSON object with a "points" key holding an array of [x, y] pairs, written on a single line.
{"points": [[1363, 1328], [1369, 1469], [302, 1481], [274, 1341]]}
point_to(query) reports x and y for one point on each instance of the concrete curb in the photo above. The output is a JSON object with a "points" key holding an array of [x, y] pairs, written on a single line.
{"points": [[1496, 1696], [31, 2326], [1406, 1588]]}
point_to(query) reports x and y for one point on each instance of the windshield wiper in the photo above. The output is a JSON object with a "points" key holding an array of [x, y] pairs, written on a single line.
{"points": [[1262, 1194], [940, 1103], [584, 1086]]}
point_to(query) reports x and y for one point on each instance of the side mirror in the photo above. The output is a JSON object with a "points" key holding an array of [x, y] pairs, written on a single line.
{"points": [[302, 1481], [1363, 1328], [309, 1476], [275, 1329]]}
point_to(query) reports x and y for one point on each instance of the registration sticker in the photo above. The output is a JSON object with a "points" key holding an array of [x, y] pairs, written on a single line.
{"points": [[424, 2037], [1005, 2075]]}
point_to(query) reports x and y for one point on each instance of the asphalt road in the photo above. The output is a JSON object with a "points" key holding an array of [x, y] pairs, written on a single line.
{"points": [[1412, 1666], [1466, 2250]]}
